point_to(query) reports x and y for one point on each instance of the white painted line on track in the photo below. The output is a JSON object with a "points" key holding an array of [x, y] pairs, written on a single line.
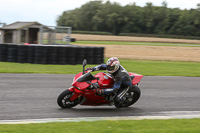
{"points": [[165, 115], [31, 121]]}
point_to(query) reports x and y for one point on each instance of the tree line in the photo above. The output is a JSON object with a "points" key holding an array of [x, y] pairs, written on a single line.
{"points": [[150, 19]]}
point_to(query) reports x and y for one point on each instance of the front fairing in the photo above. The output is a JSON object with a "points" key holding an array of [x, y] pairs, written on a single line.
{"points": [[76, 77], [90, 97], [80, 80], [79, 85], [86, 77]]}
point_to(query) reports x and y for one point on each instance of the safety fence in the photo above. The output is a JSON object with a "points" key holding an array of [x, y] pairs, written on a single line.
{"points": [[51, 54]]}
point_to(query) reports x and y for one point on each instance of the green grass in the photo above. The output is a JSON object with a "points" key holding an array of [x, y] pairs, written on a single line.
{"points": [[125, 126], [7, 67], [162, 68], [136, 43], [127, 43], [144, 67]]}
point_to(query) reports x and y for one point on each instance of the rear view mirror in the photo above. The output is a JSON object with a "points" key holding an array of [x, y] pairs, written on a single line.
{"points": [[84, 64]]}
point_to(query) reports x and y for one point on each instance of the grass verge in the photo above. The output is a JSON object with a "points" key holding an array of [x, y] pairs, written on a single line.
{"points": [[136, 43], [144, 67], [123, 126]]}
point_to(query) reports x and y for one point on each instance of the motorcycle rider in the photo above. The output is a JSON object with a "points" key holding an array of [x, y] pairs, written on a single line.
{"points": [[122, 80]]}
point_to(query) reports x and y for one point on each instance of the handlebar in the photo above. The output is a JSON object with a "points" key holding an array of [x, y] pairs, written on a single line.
{"points": [[88, 71]]}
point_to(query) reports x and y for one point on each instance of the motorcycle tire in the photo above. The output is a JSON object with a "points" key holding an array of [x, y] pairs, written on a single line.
{"points": [[64, 101], [131, 96]]}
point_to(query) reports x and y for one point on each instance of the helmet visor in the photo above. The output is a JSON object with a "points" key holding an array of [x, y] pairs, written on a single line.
{"points": [[110, 68]]}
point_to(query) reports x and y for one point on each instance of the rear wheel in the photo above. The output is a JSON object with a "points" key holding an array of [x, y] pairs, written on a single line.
{"points": [[130, 97], [64, 100]]}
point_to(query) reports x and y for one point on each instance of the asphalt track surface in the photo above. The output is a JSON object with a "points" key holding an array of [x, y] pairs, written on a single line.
{"points": [[33, 96]]}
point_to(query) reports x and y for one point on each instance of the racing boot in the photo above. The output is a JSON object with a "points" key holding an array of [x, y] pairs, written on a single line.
{"points": [[120, 96]]}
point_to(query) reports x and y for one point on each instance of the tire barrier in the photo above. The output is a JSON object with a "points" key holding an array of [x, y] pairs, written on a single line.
{"points": [[73, 39], [12, 53], [51, 54], [3, 52]]}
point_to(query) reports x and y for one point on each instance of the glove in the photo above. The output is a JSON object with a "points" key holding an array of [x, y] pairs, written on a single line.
{"points": [[90, 68]]}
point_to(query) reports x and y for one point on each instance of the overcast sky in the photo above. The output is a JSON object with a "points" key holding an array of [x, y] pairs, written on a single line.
{"points": [[47, 11]]}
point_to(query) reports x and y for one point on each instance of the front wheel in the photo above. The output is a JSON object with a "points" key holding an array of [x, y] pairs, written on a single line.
{"points": [[64, 101], [130, 97]]}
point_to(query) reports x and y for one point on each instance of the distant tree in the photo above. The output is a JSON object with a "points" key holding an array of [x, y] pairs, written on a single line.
{"points": [[87, 13], [148, 18], [108, 18], [114, 18], [161, 19], [196, 18], [133, 19]]}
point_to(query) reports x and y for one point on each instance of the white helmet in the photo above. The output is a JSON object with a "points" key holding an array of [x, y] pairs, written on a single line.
{"points": [[112, 64]]}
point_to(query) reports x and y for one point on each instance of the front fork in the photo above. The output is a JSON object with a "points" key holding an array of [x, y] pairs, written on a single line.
{"points": [[75, 95]]}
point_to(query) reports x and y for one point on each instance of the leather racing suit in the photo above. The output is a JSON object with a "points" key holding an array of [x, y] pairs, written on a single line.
{"points": [[122, 81]]}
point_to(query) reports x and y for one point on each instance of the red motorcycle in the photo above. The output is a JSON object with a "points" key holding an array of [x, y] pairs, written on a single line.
{"points": [[82, 90]]}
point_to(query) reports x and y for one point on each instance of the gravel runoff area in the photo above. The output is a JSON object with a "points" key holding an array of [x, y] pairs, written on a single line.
{"points": [[171, 53]]}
